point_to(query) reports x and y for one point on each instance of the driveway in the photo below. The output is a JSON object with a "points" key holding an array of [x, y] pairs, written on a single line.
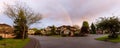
{"points": [[74, 42]]}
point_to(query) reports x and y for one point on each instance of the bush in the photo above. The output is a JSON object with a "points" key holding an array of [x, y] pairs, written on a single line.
{"points": [[1, 37], [113, 36], [37, 32]]}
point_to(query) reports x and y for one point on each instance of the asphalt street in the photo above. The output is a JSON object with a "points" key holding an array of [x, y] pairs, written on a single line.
{"points": [[74, 42]]}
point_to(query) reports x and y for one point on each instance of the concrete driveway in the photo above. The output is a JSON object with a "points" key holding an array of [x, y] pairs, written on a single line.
{"points": [[74, 42]]}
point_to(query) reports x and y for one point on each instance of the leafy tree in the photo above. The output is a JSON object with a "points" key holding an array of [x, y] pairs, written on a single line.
{"points": [[84, 28], [37, 32], [35, 29], [22, 17], [111, 24], [93, 29], [53, 30]]}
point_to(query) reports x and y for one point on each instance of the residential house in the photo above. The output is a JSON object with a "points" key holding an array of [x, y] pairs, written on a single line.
{"points": [[6, 31], [31, 32]]}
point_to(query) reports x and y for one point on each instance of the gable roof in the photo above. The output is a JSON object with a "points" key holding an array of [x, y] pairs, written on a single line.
{"points": [[5, 28]]}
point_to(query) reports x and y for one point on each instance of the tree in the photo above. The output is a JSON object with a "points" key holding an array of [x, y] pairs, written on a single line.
{"points": [[35, 29], [111, 24], [37, 32], [22, 17], [93, 29], [53, 30], [84, 28]]}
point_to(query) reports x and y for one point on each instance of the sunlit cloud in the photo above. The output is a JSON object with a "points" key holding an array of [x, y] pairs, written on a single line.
{"points": [[71, 12]]}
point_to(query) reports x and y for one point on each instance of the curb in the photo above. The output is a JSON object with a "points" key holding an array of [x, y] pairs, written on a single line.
{"points": [[34, 43]]}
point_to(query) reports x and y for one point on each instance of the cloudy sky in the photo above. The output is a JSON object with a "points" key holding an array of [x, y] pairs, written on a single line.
{"points": [[66, 12]]}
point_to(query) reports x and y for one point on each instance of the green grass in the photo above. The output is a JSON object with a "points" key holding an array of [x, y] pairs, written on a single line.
{"points": [[13, 43], [105, 38]]}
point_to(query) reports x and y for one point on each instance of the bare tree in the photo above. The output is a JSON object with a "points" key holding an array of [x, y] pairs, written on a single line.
{"points": [[23, 17]]}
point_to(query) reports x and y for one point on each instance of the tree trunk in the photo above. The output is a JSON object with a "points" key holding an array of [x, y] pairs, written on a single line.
{"points": [[23, 37]]}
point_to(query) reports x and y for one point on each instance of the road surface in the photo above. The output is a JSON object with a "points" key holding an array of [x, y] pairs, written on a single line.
{"points": [[74, 42]]}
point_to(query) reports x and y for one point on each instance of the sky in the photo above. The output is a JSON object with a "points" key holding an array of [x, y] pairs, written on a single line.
{"points": [[66, 12]]}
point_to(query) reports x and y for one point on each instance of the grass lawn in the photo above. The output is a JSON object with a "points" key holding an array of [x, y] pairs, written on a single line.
{"points": [[105, 38], [13, 43]]}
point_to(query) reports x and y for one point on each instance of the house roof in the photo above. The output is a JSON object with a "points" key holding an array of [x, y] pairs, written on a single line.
{"points": [[4, 25], [5, 28]]}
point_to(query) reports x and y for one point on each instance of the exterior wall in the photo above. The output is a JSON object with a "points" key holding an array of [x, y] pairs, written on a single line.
{"points": [[6, 31], [7, 35], [30, 32]]}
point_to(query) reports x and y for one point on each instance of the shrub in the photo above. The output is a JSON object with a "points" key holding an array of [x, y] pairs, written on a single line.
{"points": [[1, 37], [93, 29], [37, 32]]}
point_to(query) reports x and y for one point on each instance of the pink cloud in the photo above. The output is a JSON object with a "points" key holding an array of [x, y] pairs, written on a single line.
{"points": [[73, 11]]}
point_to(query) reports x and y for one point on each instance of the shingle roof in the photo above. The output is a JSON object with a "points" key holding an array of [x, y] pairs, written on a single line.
{"points": [[5, 28]]}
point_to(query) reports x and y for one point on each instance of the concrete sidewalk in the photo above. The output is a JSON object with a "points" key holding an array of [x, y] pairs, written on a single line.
{"points": [[34, 43]]}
